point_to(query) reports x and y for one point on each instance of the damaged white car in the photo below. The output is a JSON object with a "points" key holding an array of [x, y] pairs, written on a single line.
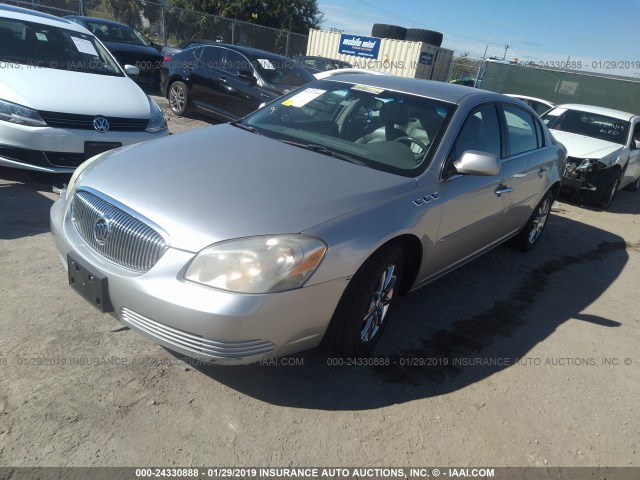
{"points": [[603, 148]]}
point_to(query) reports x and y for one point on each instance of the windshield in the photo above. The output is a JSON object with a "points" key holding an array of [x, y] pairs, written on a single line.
{"points": [[282, 72], [45, 46], [589, 124], [382, 129], [108, 32]]}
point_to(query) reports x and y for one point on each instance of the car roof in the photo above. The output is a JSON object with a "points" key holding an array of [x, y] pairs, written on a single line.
{"points": [[253, 52], [98, 20], [535, 99], [19, 13], [447, 92], [609, 112]]}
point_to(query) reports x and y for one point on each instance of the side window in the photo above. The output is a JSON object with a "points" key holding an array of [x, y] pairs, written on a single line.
{"points": [[520, 130], [480, 131], [211, 57], [236, 62]]}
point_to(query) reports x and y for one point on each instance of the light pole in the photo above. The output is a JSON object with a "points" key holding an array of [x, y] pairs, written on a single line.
{"points": [[506, 47]]}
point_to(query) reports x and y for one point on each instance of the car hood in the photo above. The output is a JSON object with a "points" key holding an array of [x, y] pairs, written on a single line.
{"points": [[221, 182], [581, 146], [75, 92]]}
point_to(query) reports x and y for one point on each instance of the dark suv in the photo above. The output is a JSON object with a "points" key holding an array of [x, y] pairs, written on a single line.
{"points": [[228, 81]]}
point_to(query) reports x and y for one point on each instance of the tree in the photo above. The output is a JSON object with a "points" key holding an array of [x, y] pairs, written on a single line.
{"points": [[300, 15]]}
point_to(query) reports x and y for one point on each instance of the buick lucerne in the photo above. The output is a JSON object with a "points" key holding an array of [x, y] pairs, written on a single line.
{"points": [[307, 219]]}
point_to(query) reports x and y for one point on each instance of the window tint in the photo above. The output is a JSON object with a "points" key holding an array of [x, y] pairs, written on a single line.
{"points": [[480, 131], [520, 130], [236, 62], [212, 57]]}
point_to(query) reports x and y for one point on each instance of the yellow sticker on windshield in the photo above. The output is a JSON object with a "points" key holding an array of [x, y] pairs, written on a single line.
{"points": [[367, 88], [302, 98]]}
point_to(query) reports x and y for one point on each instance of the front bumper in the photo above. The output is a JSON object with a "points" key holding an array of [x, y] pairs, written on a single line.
{"points": [[198, 321], [60, 150]]}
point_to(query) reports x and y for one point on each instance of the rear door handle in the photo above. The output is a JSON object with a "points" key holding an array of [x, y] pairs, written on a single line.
{"points": [[502, 189], [223, 80]]}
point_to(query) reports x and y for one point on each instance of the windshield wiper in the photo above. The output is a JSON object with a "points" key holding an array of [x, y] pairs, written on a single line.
{"points": [[324, 150], [248, 128]]}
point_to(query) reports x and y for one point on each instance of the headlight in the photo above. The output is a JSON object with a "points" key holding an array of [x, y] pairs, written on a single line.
{"points": [[264, 264], [157, 121], [14, 113], [78, 171]]}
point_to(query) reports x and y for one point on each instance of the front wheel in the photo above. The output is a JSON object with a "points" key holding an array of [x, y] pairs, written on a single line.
{"points": [[633, 187], [532, 231], [179, 98], [609, 183], [365, 306]]}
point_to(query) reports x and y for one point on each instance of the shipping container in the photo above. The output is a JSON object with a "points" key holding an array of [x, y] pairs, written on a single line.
{"points": [[396, 57]]}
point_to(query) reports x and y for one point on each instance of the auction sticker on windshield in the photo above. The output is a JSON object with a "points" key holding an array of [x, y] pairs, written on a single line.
{"points": [[266, 64], [367, 88], [84, 46], [302, 98]]}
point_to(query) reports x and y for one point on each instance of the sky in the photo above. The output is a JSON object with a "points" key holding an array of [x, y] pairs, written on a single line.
{"points": [[597, 33]]}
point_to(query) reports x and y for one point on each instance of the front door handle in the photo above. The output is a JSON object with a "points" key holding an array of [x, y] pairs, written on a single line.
{"points": [[502, 189], [541, 172]]}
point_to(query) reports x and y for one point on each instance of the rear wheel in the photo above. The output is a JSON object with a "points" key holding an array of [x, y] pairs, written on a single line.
{"points": [[532, 231], [366, 305], [179, 98]]}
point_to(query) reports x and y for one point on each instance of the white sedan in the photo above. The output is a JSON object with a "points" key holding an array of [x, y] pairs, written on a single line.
{"points": [[603, 147], [63, 97]]}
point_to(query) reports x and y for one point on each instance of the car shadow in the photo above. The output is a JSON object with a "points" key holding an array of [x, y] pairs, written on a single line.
{"points": [[471, 324], [624, 202], [24, 209]]}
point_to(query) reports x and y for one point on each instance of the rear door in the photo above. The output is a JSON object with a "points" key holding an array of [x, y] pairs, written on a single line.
{"points": [[527, 162], [207, 90]]}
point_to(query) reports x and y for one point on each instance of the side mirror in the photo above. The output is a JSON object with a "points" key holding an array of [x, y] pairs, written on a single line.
{"points": [[474, 162], [635, 145], [262, 105], [247, 75], [131, 70]]}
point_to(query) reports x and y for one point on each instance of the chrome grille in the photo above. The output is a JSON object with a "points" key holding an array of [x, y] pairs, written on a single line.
{"points": [[130, 243], [195, 343]]}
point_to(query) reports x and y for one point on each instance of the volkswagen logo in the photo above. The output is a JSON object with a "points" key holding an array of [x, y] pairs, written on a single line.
{"points": [[101, 124], [101, 230]]}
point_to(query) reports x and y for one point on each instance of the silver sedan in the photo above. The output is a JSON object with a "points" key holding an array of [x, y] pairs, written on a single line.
{"points": [[306, 220]]}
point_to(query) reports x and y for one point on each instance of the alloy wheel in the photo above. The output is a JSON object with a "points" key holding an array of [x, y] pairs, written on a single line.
{"points": [[379, 304]]}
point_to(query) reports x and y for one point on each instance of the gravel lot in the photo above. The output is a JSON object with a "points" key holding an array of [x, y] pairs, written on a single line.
{"points": [[568, 311]]}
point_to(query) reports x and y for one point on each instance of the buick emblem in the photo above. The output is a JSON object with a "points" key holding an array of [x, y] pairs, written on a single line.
{"points": [[101, 230], [101, 124]]}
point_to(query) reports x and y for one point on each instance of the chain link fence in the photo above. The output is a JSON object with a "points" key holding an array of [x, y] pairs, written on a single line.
{"points": [[464, 72], [168, 25]]}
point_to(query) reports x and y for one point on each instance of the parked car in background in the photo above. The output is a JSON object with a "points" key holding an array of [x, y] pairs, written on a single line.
{"points": [[344, 71], [228, 81], [191, 43], [603, 149], [321, 64], [305, 220], [128, 46], [539, 105], [466, 81], [77, 103]]}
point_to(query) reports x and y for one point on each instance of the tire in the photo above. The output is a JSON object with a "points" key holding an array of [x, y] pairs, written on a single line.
{"points": [[393, 32], [530, 235], [608, 184], [425, 36], [178, 96], [633, 187], [362, 313]]}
